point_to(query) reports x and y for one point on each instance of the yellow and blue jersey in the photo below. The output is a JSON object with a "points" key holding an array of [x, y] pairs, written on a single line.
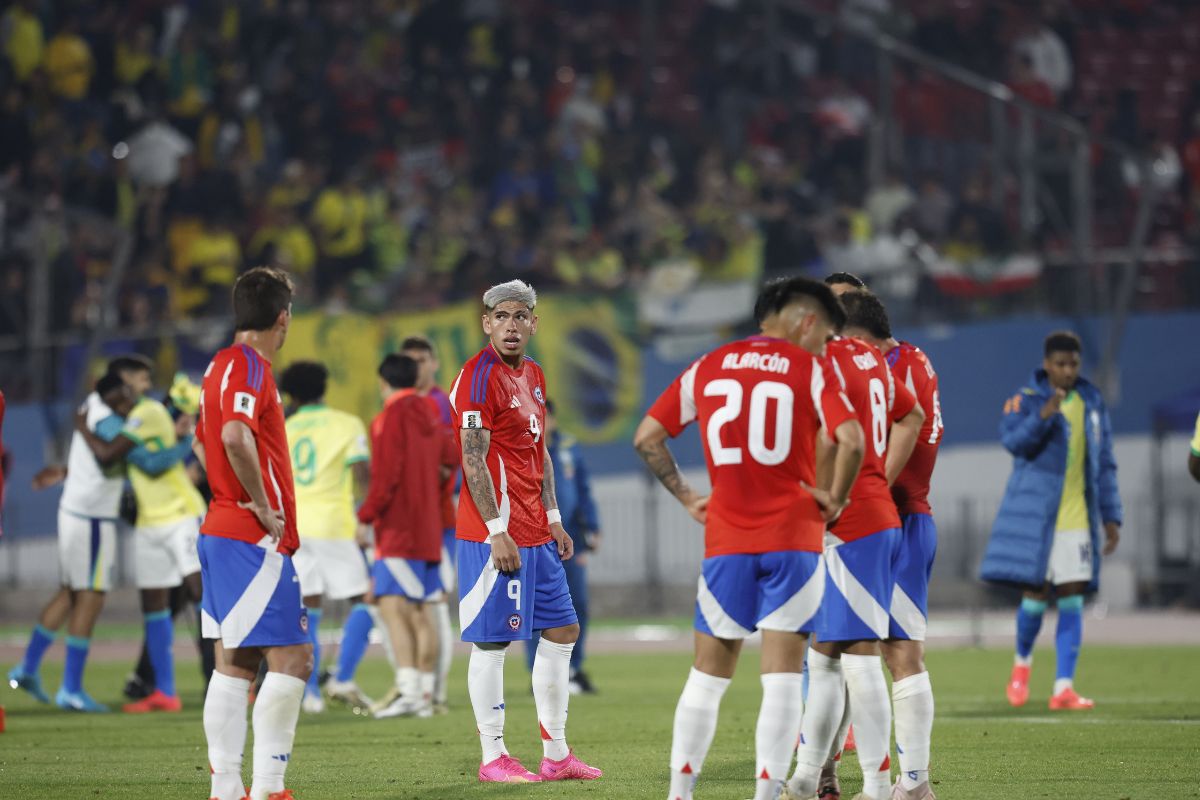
{"points": [[164, 491], [1196, 439], [324, 444], [1072, 509]]}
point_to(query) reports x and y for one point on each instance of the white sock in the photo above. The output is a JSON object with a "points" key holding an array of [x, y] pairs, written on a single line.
{"points": [[408, 681], [384, 638], [225, 728], [871, 715], [695, 726], [1023, 661], [777, 731], [839, 738], [276, 710], [425, 682], [445, 634], [1062, 684], [912, 701], [551, 674], [822, 715], [485, 685]]}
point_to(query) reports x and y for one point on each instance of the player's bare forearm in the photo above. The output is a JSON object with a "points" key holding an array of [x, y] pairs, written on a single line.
{"points": [[901, 443], [475, 445], [848, 459], [825, 452], [242, 451], [362, 478], [549, 500], [650, 441]]}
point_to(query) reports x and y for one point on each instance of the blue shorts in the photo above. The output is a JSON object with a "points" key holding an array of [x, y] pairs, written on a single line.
{"points": [[778, 591], [449, 551], [407, 577], [858, 589], [251, 595], [910, 573], [495, 607]]}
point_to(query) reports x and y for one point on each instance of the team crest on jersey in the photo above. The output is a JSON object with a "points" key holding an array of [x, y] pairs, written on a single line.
{"points": [[134, 423], [472, 420], [304, 621], [243, 403], [537, 392], [514, 622]]}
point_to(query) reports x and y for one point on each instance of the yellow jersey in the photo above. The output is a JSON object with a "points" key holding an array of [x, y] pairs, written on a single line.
{"points": [[171, 496], [1072, 509], [325, 443]]}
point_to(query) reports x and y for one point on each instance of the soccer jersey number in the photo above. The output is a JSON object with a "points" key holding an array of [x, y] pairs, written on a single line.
{"points": [[760, 396], [936, 429], [879, 415], [514, 592], [534, 429], [304, 461]]}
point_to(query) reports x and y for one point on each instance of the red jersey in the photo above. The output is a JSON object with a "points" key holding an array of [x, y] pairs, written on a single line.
{"points": [[440, 402], [238, 385], [408, 448], [511, 403], [760, 403], [879, 401], [911, 368]]}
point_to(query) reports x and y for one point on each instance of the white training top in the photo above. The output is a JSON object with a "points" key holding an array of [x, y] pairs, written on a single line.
{"points": [[90, 490]]}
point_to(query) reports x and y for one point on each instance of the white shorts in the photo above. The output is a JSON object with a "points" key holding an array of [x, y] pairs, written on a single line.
{"points": [[1070, 558], [166, 554], [87, 548], [334, 568]]}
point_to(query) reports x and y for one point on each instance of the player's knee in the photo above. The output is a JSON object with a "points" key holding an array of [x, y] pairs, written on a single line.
{"points": [[567, 634]]}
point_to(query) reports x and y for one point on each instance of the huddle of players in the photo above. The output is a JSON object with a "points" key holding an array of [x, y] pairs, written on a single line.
{"points": [[819, 451]]}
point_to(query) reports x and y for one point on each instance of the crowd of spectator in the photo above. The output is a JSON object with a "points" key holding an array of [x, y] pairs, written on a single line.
{"points": [[399, 154]]}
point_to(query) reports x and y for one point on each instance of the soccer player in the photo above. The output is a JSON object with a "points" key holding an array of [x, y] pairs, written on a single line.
{"points": [[904, 649], [169, 508], [329, 459], [511, 541], [1193, 461], [1062, 491], [761, 403], [421, 350], [413, 452], [252, 603], [859, 561], [87, 544]]}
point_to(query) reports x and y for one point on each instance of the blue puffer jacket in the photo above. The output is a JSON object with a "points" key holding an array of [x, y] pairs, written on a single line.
{"points": [[1019, 549]]}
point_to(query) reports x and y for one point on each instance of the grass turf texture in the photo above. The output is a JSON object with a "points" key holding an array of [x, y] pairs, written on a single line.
{"points": [[1140, 742]]}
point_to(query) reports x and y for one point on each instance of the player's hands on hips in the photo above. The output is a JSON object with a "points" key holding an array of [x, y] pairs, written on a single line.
{"points": [[831, 507], [505, 554], [1054, 404], [697, 507], [566, 545], [1112, 537], [269, 518]]}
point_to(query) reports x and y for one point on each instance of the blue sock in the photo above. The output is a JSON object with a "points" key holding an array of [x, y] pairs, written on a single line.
{"points": [[39, 642], [314, 622], [77, 653], [356, 635], [1068, 636], [1029, 622], [160, 636]]}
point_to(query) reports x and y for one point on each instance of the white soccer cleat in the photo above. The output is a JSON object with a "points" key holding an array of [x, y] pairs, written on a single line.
{"points": [[347, 692], [312, 704], [402, 707]]}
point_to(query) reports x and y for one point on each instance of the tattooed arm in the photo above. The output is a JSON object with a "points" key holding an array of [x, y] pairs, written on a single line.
{"points": [[650, 441], [475, 445], [566, 546]]}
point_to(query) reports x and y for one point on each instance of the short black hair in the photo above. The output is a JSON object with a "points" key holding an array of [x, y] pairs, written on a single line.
{"points": [[845, 277], [794, 288], [1063, 342], [865, 310], [258, 298], [130, 362], [108, 383], [400, 372], [764, 305], [417, 342], [305, 381]]}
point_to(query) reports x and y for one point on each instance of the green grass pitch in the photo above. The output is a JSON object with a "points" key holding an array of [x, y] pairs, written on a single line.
{"points": [[1142, 741]]}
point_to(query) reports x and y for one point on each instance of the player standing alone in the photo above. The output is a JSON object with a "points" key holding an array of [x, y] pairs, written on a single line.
{"points": [[252, 604], [761, 403], [511, 542]]}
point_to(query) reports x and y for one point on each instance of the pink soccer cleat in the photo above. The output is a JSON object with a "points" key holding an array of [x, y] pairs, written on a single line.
{"points": [[569, 769], [1069, 700], [505, 769]]}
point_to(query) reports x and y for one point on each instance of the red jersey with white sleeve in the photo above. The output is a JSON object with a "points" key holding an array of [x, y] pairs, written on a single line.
{"points": [[912, 368], [238, 385], [879, 401], [761, 403], [511, 403]]}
